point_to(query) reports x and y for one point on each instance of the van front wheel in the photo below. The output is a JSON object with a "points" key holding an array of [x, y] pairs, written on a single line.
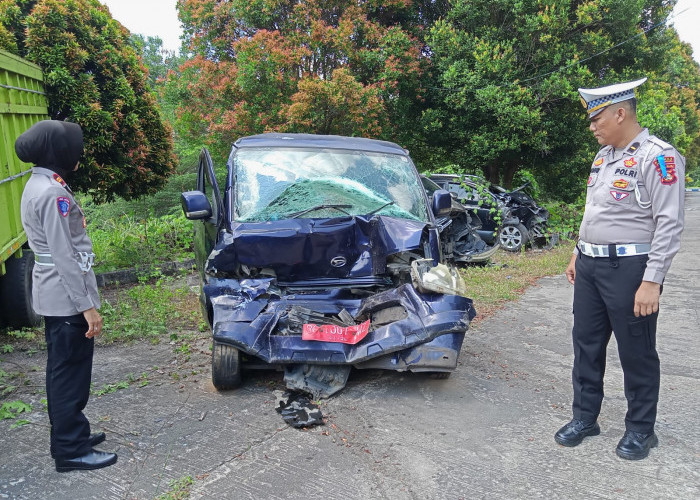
{"points": [[225, 366]]}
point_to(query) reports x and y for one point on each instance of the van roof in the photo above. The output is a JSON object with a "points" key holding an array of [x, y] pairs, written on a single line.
{"points": [[280, 140]]}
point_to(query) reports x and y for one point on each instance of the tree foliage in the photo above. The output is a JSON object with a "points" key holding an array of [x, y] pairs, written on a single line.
{"points": [[94, 77], [487, 85], [506, 76], [319, 66]]}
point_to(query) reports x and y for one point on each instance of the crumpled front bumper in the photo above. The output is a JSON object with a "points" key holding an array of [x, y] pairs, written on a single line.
{"points": [[247, 315]]}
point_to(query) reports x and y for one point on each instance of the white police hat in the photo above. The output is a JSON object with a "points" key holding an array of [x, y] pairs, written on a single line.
{"points": [[595, 100]]}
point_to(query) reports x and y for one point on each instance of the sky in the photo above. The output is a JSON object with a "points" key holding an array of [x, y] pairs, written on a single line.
{"points": [[149, 18], [159, 18]]}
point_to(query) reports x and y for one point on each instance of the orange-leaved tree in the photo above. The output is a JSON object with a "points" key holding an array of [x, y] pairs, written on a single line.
{"points": [[318, 66]]}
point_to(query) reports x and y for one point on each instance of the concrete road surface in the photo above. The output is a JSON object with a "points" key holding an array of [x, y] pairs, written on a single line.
{"points": [[486, 432]]}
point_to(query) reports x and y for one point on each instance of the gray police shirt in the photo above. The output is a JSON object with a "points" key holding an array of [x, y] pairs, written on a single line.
{"points": [[55, 226], [636, 195]]}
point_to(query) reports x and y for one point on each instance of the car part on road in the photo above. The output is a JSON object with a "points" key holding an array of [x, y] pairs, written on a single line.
{"points": [[297, 409], [321, 381]]}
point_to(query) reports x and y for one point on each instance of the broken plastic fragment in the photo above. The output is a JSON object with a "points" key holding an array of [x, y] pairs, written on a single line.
{"points": [[298, 411], [438, 279]]}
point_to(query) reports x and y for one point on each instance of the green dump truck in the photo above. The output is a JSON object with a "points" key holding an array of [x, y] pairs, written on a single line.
{"points": [[22, 103]]}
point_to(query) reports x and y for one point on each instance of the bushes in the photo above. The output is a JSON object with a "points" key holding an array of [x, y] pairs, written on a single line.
{"points": [[564, 218], [126, 241]]}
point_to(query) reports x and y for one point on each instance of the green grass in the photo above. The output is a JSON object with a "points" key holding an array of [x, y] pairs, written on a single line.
{"points": [[148, 310], [509, 274], [179, 489]]}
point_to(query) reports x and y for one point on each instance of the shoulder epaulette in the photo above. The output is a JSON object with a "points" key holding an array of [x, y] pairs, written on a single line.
{"points": [[658, 142]]}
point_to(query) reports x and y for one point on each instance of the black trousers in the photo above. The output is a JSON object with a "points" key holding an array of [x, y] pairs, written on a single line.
{"points": [[68, 374], [604, 303]]}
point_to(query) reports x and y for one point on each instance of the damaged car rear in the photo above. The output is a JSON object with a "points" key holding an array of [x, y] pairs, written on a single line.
{"points": [[321, 253]]}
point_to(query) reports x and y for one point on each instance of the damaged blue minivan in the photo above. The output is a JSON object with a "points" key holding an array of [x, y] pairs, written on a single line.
{"points": [[321, 253]]}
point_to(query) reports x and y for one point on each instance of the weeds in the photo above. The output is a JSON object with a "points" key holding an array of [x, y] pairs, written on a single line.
{"points": [[26, 340], [140, 381], [12, 410], [109, 388], [179, 489], [9, 382]]}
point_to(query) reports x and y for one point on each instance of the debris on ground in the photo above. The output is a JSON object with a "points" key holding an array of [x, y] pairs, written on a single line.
{"points": [[297, 409]]}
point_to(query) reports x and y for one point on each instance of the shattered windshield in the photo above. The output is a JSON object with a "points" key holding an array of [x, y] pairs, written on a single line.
{"points": [[278, 183]]}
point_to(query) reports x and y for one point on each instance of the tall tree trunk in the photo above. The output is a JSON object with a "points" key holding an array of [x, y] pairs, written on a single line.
{"points": [[493, 175], [511, 168]]}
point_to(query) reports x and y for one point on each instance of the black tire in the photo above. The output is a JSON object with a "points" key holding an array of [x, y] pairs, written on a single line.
{"points": [[513, 237], [16, 292], [225, 366]]}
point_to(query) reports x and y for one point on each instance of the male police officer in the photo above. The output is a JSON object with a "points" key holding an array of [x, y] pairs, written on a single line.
{"points": [[64, 289], [630, 232]]}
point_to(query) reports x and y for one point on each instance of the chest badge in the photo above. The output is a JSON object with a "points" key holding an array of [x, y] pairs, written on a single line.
{"points": [[619, 195], [621, 183], [630, 163], [598, 162]]}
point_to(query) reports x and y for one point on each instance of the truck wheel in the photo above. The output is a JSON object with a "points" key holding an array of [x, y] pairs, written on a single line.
{"points": [[16, 292], [225, 366], [513, 237]]}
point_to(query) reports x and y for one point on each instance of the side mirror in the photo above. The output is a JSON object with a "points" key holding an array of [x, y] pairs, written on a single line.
{"points": [[442, 203], [196, 205]]}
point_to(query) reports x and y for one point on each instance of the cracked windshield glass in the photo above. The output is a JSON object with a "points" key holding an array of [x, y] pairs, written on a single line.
{"points": [[274, 184]]}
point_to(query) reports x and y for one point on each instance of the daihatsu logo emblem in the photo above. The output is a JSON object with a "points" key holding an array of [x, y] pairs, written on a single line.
{"points": [[338, 261]]}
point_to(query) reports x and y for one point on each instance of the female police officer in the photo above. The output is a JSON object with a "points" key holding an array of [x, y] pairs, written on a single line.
{"points": [[64, 289]]}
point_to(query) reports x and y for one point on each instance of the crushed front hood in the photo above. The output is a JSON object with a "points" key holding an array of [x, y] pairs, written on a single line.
{"points": [[309, 249]]}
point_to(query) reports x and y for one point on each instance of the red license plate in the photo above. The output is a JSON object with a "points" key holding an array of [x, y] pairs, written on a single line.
{"points": [[333, 333]]}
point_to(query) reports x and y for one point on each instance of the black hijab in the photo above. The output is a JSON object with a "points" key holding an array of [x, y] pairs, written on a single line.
{"points": [[51, 144]]}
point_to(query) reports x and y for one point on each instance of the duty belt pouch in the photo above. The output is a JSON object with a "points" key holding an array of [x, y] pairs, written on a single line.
{"points": [[612, 253]]}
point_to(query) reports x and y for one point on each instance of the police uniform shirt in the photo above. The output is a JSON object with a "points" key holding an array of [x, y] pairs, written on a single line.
{"points": [[627, 202], [55, 226]]}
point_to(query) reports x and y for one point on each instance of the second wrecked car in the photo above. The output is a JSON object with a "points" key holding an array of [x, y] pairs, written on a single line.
{"points": [[321, 253]]}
